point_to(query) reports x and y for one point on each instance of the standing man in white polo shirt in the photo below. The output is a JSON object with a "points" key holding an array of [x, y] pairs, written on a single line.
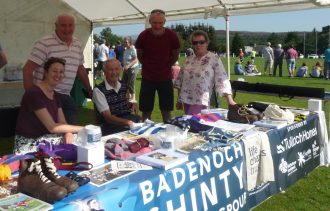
{"points": [[103, 56], [60, 44]]}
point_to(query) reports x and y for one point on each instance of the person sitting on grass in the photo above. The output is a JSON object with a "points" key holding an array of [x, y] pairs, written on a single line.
{"points": [[317, 71], [251, 68], [238, 68], [41, 116], [113, 109], [302, 71]]}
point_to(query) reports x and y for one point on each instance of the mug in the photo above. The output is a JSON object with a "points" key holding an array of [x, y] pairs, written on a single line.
{"points": [[93, 133], [168, 143]]}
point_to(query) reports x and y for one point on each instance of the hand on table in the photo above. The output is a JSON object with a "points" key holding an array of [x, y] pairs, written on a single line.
{"points": [[68, 138]]}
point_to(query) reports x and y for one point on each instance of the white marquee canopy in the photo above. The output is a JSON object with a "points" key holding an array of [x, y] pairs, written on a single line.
{"points": [[115, 12]]}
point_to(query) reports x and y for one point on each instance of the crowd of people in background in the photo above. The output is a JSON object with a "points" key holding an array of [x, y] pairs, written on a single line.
{"points": [[273, 60]]}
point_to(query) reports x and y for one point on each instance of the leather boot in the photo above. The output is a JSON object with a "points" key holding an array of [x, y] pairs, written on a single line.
{"points": [[239, 113], [33, 182], [49, 169]]}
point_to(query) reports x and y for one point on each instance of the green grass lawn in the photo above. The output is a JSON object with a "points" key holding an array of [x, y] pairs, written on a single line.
{"points": [[310, 193]]}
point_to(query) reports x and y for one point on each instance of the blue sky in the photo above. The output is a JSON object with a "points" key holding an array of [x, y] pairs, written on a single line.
{"points": [[304, 20]]}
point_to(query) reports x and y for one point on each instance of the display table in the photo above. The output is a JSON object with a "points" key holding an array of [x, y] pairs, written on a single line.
{"points": [[214, 180]]}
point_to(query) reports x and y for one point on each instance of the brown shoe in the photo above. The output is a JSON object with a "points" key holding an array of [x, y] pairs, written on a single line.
{"points": [[49, 169], [33, 182], [241, 114]]}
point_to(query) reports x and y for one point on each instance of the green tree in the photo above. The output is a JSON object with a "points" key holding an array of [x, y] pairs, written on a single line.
{"points": [[107, 34], [184, 33], [96, 38], [274, 39], [292, 38], [237, 43], [323, 39], [181, 30], [310, 42]]}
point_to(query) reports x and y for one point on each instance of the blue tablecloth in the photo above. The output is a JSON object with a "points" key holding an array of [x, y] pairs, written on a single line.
{"points": [[209, 180]]}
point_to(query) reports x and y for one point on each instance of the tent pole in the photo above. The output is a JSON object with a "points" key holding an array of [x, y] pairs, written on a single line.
{"points": [[91, 76], [227, 46]]}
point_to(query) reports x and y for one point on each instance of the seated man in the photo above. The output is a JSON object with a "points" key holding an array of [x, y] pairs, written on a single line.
{"points": [[111, 101]]}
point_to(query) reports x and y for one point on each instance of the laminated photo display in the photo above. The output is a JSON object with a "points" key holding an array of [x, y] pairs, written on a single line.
{"points": [[162, 158], [128, 165], [104, 174], [274, 124], [21, 201], [232, 126], [191, 144]]}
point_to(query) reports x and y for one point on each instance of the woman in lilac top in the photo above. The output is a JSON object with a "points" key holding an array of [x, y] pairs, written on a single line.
{"points": [[41, 116], [199, 74]]}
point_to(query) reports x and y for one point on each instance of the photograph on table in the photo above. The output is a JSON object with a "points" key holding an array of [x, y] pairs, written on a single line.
{"points": [[21, 201], [128, 165], [122, 135], [104, 174], [162, 158], [269, 123], [191, 144]]}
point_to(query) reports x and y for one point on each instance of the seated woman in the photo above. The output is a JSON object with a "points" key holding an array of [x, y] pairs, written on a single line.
{"points": [[302, 71], [238, 68], [251, 68], [41, 116], [317, 71], [111, 101]]}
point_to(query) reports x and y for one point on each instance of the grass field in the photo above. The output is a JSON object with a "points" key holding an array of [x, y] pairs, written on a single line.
{"points": [[309, 193]]}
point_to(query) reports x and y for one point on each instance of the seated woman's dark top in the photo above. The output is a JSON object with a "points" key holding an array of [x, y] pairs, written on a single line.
{"points": [[28, 124]]}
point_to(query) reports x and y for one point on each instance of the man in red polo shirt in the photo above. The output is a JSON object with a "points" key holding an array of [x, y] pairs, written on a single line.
{"points": [[157, 50]]}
